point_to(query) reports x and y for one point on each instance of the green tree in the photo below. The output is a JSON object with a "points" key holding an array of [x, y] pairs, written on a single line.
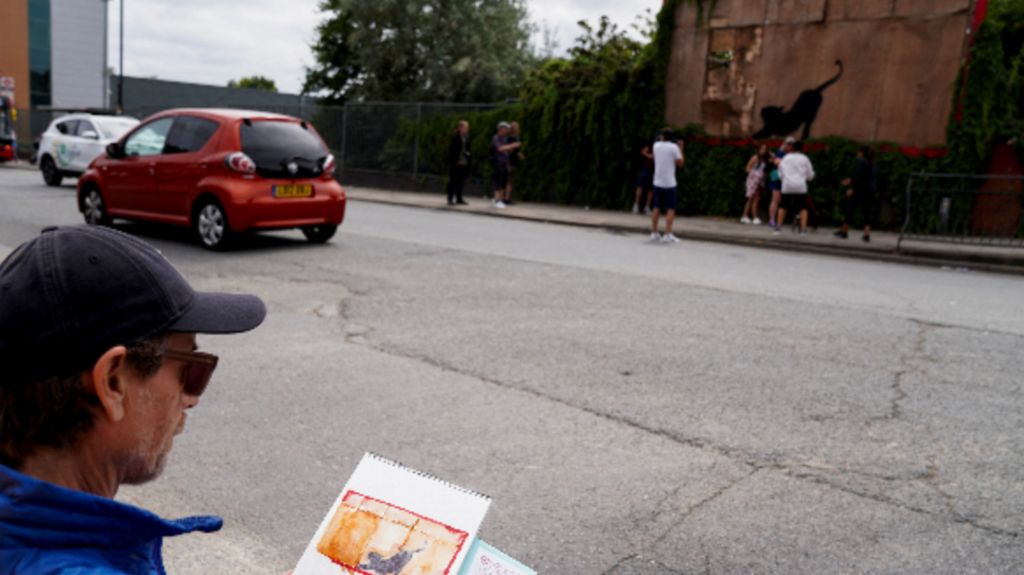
{"points": [[420, 50], [989, 99], [255, 83]]}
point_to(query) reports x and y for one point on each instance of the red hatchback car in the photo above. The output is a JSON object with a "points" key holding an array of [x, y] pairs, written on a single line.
{"points": [[220, 172]]}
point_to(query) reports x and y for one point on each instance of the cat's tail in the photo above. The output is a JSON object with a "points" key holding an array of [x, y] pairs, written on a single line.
{"points": [[839, 63]]}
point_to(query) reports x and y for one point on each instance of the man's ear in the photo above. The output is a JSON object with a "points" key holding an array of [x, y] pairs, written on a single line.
{"points": [[108, 378]]}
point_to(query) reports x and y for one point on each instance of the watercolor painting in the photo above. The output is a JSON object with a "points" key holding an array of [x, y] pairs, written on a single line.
{"points": [[372, 537]]}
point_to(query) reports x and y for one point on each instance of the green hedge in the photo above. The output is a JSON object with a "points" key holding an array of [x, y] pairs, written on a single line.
{"points": [[584, 119], [711, 182]]}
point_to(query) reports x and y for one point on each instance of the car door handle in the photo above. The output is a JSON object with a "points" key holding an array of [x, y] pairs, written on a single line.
{"points": [[152, 169]]}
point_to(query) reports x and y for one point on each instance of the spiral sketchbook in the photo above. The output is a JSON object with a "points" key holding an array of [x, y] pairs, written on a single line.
{"points": [[393, 520]]}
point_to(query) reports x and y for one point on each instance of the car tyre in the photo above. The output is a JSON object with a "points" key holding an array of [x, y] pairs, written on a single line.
{"points": [[94, 209], [211, 226], [319, 234], [51, 175]]}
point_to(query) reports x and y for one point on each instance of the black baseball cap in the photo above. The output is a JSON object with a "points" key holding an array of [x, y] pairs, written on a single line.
{"points": [[72, 293]]}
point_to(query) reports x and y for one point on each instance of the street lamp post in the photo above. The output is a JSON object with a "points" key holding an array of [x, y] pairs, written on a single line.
{"points": [[120, 67]]}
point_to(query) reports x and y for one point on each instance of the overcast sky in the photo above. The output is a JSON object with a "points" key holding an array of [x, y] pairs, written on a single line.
{"points": [[228, 39]]}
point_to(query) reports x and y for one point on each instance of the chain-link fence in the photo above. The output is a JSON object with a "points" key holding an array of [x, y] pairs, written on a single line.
{"points": [[380, 142], [960, 208]]}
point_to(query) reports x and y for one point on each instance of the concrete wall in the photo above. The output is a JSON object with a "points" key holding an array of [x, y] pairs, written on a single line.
{"points": [[78, 53], [900, 58]]}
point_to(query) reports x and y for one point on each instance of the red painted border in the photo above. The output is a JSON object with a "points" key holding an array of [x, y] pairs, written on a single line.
{"points": [[910, 151], [458, 549]]}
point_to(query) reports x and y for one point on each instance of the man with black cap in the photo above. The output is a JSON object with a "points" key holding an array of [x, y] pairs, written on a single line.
{"points": [[98, 349]]}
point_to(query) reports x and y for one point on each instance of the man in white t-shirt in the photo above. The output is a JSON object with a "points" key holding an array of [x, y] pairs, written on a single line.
{"points": [[795, 170], [668, 156]]}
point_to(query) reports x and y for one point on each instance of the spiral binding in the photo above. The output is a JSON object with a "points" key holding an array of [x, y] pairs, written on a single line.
{"points": [[434, 478]]}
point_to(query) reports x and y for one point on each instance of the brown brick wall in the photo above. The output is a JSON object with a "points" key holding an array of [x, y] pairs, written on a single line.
{"points": [[901, 59], [14, 47]]}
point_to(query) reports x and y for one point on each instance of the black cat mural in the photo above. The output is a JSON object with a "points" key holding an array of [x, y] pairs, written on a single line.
{"points": [[779, 122]]}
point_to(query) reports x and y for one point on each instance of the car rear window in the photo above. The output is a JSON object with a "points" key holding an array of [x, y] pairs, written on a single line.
{"points": [[273, 144], [68, 127]]}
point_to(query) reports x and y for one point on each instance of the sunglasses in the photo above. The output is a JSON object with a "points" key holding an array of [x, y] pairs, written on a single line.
{"points": [[198, 369]]}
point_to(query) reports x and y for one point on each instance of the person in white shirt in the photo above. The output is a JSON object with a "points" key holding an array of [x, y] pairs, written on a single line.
{"points": [[668, 156], [795, 170]]}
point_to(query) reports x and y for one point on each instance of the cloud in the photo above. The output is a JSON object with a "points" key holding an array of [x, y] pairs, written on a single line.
{"points": [[213, 41], [561, 16]]}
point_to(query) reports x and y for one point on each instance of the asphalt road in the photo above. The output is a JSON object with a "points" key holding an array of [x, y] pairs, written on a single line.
{"points": [[631, 408]]}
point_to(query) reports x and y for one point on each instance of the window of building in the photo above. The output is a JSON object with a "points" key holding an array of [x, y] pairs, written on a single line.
{"points": [[39, 52]]}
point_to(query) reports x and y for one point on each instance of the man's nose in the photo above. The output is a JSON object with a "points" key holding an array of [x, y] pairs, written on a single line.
{"points": [[190, 400]]}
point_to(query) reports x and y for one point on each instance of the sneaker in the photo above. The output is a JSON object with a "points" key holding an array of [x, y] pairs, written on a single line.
{"points": [[866, 239], [451, 203], [775, 231], [803, 232], [655, 237], [744, 220], [669, 239], [773, 225], [756, 222], [636, 209], [499, 204], [462, 203], [647, 211], [840, 234]]}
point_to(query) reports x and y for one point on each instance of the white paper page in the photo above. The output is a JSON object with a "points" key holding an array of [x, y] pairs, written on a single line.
{"points": [[389, 516]]}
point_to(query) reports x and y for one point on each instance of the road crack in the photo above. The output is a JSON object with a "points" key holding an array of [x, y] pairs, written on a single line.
{"points": [[799, 470], [689, 511]]}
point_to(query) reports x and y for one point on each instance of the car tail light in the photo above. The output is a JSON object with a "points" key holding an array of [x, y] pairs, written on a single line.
{"points": [[240, 163], [329, 166]]}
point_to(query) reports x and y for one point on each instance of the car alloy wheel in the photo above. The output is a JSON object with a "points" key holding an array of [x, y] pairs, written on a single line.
{"points": [[93, 209], [51, 175], [212, 226]]}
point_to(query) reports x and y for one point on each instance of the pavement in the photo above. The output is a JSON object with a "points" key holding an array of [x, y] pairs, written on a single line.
{"points": [[883, 245], [632, 408]]}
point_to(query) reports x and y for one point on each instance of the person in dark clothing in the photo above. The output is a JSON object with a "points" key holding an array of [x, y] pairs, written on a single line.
{"points": [[458, 163], [860, 202], [514, 159], [645, 181]]}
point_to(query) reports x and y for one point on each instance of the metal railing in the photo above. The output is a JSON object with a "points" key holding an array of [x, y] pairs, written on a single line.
{"points": [[369, 137], [964, 209]]}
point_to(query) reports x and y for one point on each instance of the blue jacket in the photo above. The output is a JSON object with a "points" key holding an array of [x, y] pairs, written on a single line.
{"points": [[46, 529]]}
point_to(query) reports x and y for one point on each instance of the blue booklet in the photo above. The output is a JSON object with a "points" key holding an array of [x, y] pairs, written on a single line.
{"points": [[484, 559]]}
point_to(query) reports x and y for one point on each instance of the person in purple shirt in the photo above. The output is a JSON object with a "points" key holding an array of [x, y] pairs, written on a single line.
{"points": [[500, 148]]}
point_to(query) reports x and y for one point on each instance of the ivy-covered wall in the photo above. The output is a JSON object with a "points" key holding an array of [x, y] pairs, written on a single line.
{"points": [[585, 118]]}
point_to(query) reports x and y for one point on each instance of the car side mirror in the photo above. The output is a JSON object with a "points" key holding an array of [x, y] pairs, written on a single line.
{"points": [[90, 135], [114, 150]]}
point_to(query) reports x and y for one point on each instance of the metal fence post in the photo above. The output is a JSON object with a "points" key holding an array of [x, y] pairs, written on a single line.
{"points": [[906, 220], [416, 142], [344, 133]]}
